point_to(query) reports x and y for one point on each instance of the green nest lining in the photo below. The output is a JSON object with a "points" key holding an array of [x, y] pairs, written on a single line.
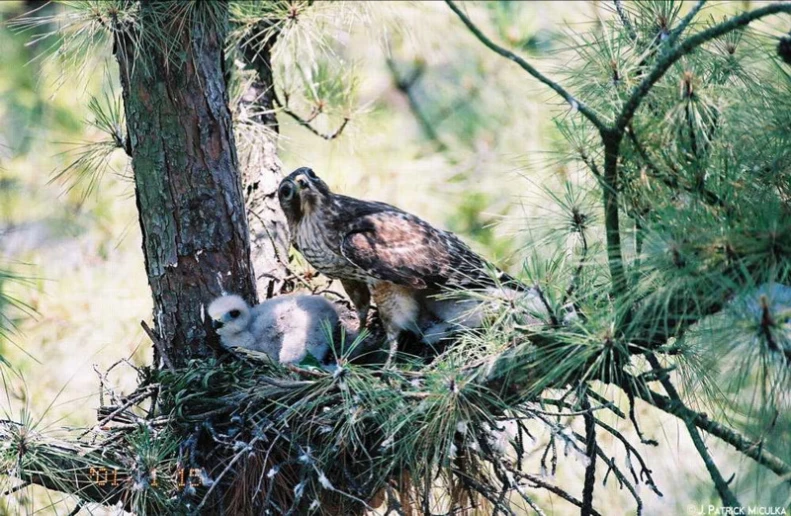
{"points": [[296, 439]]}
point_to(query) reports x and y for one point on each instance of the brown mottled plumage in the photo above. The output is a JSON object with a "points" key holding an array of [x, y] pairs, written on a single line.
{"points": [[403, 261]]}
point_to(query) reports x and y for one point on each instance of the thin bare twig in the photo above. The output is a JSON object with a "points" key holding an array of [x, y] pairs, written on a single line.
{"points": [[586, 111], [306, 122], [645, 472], [608, 461], [728, 498], [158, 344], [633, 419], [753, 449], [14, 489], [560, 403], [552, 488], [78, 507], [605, 402]]}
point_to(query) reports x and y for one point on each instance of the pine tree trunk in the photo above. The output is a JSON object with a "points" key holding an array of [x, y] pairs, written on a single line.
{"points": [[187, 182], [262, 172]]}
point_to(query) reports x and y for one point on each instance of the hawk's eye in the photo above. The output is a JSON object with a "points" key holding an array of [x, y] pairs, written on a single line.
{"points": [[234, 314], [312, 174], [287, 191]]}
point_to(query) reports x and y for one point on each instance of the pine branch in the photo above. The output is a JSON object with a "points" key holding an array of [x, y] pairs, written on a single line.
{"points": [[575, 279], [592, 166], [552, 317], [673, 54], [590, 451], [586, 111], [69, 472], [671, 181], [684, 23], [627, 23], [754, 450], [612, 137], [728, 498], [612, 142]]}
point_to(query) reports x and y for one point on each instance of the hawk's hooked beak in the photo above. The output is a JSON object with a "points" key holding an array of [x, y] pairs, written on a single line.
{"points": [[306, 192], [301, 183]]}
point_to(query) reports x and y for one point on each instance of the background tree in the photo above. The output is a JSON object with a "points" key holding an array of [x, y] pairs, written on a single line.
{"points": [[672, 251]]}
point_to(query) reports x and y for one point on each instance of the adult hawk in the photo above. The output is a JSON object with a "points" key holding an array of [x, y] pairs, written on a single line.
{"points": [[404, 263]]}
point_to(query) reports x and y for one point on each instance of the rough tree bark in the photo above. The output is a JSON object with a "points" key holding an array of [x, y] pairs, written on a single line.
{"points": [[187, 182], [191, 204], [262, 171]]}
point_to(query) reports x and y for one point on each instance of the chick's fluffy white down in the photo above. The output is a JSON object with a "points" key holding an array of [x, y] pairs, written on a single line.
{"points": [[286, 327]]}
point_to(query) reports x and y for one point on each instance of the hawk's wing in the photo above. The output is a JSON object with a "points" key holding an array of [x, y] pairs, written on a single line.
{"points": [[395, 246]]}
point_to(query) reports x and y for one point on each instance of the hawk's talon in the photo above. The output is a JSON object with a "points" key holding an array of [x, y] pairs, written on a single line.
{"points": [[390, 362]]}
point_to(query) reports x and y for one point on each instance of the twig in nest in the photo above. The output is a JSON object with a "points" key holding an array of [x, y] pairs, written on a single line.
{"points": [[77, 508], [553, 319], [158, 344], [14, 489], [131, 400]]}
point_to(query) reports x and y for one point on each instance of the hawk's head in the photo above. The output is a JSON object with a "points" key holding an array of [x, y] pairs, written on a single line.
{"points": [[300, 193]]}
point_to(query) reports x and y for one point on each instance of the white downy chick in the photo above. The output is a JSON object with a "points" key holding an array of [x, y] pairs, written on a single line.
{"points": [[285, 327]]}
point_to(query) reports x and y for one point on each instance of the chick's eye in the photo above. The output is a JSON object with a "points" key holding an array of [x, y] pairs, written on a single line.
{"points": [[234, 314], [287, 191]]}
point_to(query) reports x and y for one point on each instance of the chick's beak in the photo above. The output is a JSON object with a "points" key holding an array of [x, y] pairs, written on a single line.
{"points": [[216, 325]]}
